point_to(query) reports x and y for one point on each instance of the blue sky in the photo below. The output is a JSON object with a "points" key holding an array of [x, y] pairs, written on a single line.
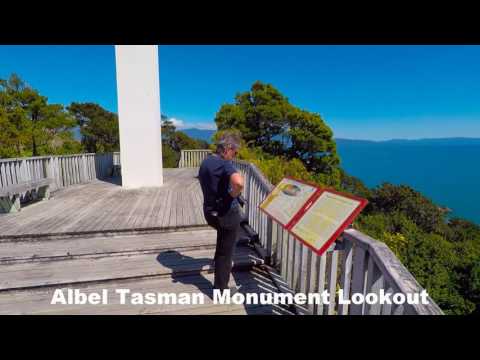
{"points": [[362, 92]]}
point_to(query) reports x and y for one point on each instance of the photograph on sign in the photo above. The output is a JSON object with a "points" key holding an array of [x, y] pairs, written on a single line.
{"points": [[324, 218], [288, 197]]}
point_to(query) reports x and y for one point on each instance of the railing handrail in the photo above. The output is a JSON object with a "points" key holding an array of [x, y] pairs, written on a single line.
{"points": [[48, 157], [392, 269], [192, 158], [65, 170], [380, 265]]}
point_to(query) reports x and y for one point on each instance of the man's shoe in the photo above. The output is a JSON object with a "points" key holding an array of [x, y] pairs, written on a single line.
{"points": [[234, 289]]}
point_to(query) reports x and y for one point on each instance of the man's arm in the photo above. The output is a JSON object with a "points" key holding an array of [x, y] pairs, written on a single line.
{"points": [[236, 184]]}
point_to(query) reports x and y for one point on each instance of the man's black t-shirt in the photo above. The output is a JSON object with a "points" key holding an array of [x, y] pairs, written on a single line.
{"points": [[214, 176]]}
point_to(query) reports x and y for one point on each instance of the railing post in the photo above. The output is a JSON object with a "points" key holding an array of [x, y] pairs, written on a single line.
{"points": [[375, 283], [346, 275], [84, 168], [56, 171], [358, 278], [321, 272], [247, 193], [50, 173], [180, 163], [332, 282], [23, 171], [268, 259]]}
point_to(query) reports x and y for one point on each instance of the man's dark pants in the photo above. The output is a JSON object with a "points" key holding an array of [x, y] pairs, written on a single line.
{"points": [[228, 228]]}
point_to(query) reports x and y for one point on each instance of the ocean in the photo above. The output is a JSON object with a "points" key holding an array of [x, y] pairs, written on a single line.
{"points": [[447, 174]]}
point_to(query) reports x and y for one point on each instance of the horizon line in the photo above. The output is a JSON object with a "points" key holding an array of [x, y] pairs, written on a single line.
{"points": [[371, 140]]}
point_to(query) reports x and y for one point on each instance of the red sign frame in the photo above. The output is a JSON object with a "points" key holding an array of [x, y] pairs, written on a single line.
{"points": [[304, 208]]}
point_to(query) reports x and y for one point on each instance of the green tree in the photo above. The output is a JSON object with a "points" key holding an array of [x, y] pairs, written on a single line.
{"points": [[173, 142], [169, 157], [447, 270], [433, 262], [14, 124], [98, 127], [354, 185], [275, 168], [168, 132], [312, 142], [29, 124], [421, 210], [267, 120], [13, 135]]}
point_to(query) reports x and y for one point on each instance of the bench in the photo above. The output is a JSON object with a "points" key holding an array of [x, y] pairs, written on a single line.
{"points": [[10, 195]]}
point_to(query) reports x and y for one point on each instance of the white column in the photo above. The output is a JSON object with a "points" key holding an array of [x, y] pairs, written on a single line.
{"points": [[138, 90]]}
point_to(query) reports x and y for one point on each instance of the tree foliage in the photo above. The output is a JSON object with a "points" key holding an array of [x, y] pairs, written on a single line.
{"points": [[448, 270], [173, 142], [267, 120], [275, 167], [98, 127], [353, 185], [389, 198], [29, 125]]}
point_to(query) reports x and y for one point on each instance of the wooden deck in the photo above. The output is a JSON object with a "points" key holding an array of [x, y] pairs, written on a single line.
{"points": [[168, 262], [104, 207], [98, 236]]}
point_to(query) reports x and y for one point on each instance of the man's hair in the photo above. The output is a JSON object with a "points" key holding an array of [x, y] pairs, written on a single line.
{"points": [[227, 141]]}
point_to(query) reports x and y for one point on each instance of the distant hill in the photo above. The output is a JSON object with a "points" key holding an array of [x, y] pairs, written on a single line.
{"points": [[200, 134], [417, 142]]}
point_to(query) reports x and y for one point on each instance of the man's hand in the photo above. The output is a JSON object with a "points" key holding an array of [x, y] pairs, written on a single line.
{"points": [[236, 184]]}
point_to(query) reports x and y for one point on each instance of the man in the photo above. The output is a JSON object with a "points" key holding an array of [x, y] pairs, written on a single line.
{"points": [[221, 185]]}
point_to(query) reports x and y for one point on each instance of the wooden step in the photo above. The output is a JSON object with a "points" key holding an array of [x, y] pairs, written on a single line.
{"points": [[38, 300], [51, 249], [109, 268]]}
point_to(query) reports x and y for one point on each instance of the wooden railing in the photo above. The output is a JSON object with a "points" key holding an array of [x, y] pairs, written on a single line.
{"points": [[356, 263], [65, 170], [116, 158], [192, 158]]}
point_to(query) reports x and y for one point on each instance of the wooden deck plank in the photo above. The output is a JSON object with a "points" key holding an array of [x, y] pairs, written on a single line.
{"points": [[142, 208], [118, 218], [38, 217], [28, 213], [40, 273], [164, 214], [11, 251], [103, 206], [199, 218], [114, 219], [80, 217], [38, 301], [174, 210], [157, 204], [106, 213], [191, 217], [159, 210], [75, 203], [152, 204]]}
